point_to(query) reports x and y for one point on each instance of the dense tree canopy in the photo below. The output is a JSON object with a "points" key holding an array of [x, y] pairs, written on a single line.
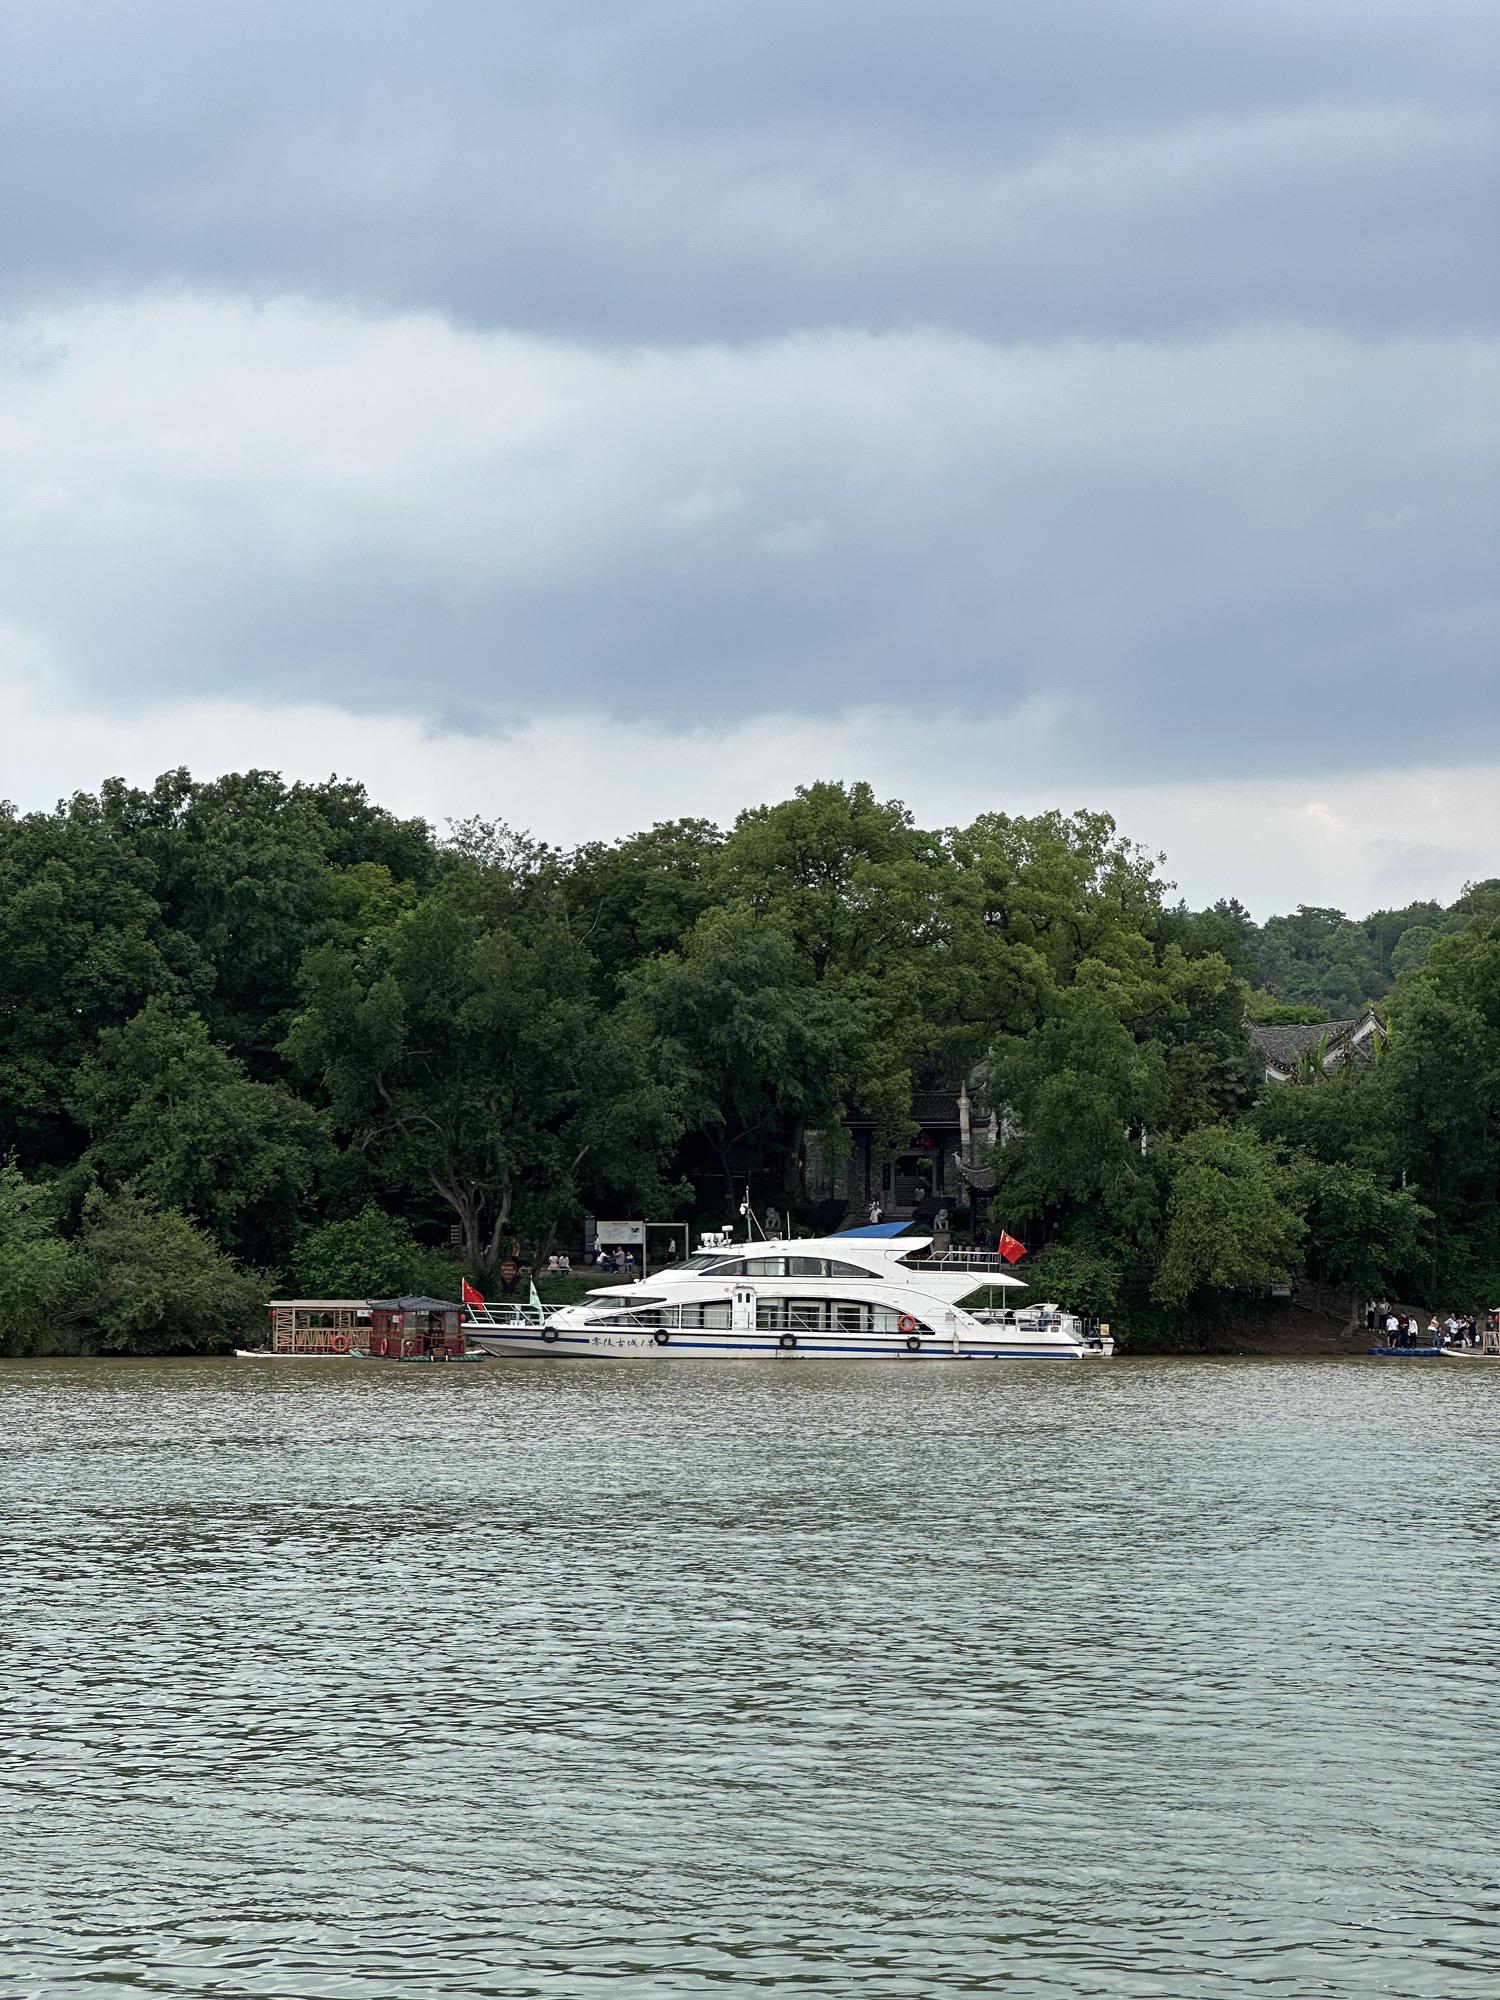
{"points": [[255, 1034], [174, 1114], [1325, 964]]}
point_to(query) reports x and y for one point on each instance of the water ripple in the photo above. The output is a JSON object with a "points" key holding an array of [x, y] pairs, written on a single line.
{"points": [[1155, 1678]]}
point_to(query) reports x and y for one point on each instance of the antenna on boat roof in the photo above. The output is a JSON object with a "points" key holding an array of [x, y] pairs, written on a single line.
{"points": [[752, 1220]]}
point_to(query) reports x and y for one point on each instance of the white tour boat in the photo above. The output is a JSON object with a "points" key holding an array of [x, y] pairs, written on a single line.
{"points": [[872, 1294]]}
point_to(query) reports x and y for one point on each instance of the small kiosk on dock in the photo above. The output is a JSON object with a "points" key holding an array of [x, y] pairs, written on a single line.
{"points": [[417, 1329]]}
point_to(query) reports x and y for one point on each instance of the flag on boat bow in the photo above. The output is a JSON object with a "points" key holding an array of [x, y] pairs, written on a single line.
{"points": [[468, 1294], [1010, 1249]]}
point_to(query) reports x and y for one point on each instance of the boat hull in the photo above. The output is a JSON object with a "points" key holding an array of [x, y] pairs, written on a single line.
{"points": [[277, 1354], [561, 1343]]}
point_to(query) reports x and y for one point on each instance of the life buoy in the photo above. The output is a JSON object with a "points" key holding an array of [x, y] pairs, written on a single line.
{"points": [[338, 1343], [906, 1323], [789, 1340], [913, 1342], [661, 1336], [549, 1333]]}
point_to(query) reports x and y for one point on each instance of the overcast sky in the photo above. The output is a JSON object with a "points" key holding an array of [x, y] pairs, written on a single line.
{"points": [[591, 413]]}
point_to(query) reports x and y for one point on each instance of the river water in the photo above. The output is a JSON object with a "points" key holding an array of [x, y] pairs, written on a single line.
{"points": [[332, 1681]]}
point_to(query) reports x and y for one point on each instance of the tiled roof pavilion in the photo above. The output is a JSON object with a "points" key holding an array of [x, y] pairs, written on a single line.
{"points": [[1286, 1046]]}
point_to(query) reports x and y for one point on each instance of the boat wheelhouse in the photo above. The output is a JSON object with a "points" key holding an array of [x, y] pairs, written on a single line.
{"points": [[865, 1294], [416, 1328]]}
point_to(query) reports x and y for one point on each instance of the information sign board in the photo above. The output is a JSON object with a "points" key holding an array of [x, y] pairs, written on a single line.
{"points": [[623, 1233]]}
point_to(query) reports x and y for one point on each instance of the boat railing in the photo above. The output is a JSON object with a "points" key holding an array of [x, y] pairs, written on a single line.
{"points": [[481, 1317], [1031, 1320], [958, 1260]]}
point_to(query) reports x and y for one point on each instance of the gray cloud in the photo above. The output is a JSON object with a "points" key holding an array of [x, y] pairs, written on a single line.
{"points": [[695, 169], [1271, 548], [1133, 368]]}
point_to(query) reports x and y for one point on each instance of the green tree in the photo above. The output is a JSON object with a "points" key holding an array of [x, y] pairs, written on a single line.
{"points": [[146, 1281], [1270, 1012], [1232, 1220], [855, 887], [251, 873], [464, 1050], [370, 1255], [82, 948], [36, 1272], [636, 898], [1088, 1279], [1023, 904], [1322, 958], [756, 1056], [1349, 1117], [171, 1113], [1411, 948], [1362, 1236], [1082, 1099], [1226, 931], [1061, 886], [1440, 1079]]}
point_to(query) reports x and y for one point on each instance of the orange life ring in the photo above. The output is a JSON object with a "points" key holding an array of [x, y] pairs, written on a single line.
{"points": [[338, 1343], [906, 1323]]}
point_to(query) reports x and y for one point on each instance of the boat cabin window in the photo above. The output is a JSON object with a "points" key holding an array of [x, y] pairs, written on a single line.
{"points": [[793, 1315], [854, 1316], [826, 1267], [705, 1312], [825, 1316], [793, 1267], [748, 1267], [641, 1312]]}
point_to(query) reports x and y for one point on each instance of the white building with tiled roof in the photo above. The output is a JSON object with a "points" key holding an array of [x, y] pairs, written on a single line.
{"points": [[1298, 1051]]}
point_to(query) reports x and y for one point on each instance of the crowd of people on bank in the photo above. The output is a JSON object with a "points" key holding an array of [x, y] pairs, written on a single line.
{"points": [[619, 1262], [1404, 1329]]}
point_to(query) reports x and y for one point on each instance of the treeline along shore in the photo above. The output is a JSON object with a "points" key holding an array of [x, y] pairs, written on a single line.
{"points": [[260, 1037]]}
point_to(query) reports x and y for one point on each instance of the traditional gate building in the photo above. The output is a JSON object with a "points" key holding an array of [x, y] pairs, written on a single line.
{"points": [[943, 1165]]}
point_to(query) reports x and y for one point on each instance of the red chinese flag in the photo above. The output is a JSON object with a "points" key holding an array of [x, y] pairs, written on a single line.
{"points": [[469, 1296], [1010, 1249]]}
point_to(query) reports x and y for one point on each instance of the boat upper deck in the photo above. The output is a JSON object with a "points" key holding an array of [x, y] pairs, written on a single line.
{"points": [[959, 1261]]}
